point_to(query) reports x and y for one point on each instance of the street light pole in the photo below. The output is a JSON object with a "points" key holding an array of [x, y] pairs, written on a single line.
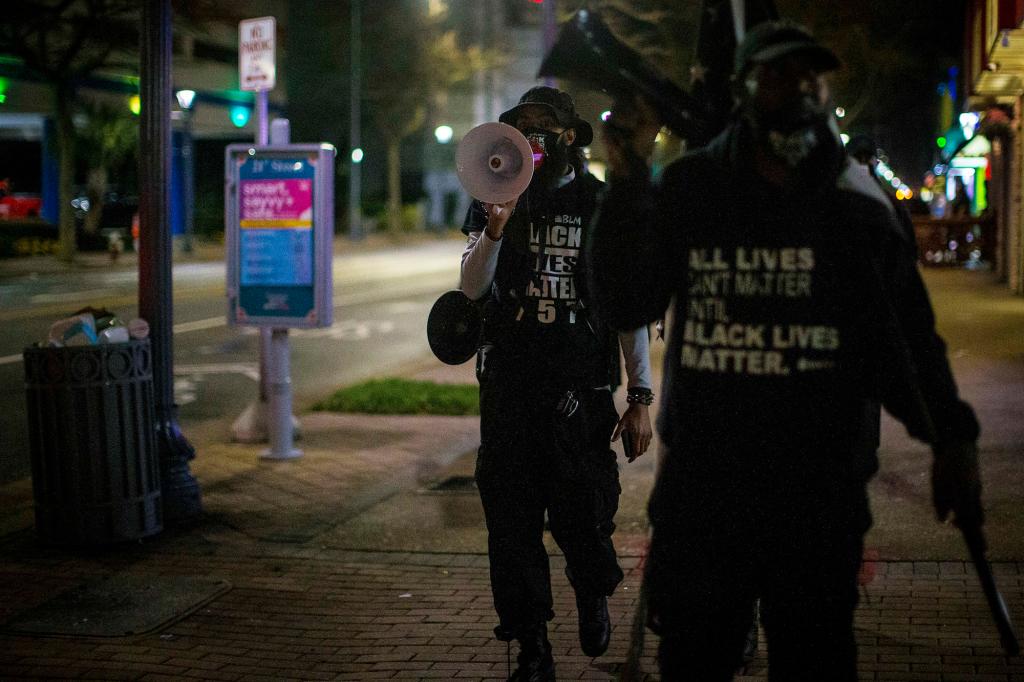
{"points": [[550, 33], [186, 101], [355, 213], [179, 489]]}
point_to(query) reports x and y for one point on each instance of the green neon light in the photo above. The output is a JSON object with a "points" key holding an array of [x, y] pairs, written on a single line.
{"points": [[239, 116], [941, 142]]}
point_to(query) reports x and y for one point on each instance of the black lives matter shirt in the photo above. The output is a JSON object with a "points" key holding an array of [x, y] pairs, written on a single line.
{"points": [[539, 320], [771, 335], [795, 313]]}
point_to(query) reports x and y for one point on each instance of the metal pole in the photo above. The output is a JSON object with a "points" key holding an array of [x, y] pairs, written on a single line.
{"points": [[251, 425], [280, 385], [279, 376], [481, 110], [550, 33], [739, 19], [355, 190], [263, 139], [180, 491], [262, 121], [188, 171]]}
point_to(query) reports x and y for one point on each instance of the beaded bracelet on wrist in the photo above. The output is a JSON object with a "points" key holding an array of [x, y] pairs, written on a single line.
{"points": [[639, 396]]}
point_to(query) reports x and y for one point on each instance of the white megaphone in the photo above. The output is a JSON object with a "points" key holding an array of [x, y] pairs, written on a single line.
{"points": [[494, 163]]}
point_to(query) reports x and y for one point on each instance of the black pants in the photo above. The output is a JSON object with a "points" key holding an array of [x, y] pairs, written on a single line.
{"points": [[531, 461], [717, 546]]}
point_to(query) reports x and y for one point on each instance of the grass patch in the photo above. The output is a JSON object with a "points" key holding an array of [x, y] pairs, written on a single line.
{"points": [[401, 396]]}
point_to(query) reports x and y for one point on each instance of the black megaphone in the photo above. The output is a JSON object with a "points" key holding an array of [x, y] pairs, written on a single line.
{"points": [[588, 53]]}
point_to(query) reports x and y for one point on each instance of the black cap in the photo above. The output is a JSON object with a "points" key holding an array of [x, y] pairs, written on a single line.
{"points": [[561, 106], [773, 39]]}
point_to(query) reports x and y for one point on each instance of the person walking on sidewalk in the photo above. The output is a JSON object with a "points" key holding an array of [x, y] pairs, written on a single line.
{"points": [[796, 312], [546, 369]]}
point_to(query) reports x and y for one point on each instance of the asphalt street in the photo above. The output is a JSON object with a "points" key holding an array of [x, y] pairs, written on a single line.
{"points": [[381, 300]]}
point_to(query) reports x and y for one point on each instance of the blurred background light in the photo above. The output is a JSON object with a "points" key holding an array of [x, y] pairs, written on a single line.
{"points": [[443, 134], [185, 98], [239, 115]]}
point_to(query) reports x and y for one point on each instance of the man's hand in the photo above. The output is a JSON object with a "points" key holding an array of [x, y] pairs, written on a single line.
{"points": [[629, 135], [956, 484], [636, 420], [497, 217]]}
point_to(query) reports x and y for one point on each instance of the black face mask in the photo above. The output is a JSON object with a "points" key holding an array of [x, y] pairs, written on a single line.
{"points": [[803, 136], [550, 155], [792, 133]]}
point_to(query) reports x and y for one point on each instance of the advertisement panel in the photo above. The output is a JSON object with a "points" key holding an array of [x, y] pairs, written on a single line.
{"points": [[279, 229]]}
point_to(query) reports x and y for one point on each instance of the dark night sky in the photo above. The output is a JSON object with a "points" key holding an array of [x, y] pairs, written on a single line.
{"points": [[898, 51], [895, 52], [912, 44]]}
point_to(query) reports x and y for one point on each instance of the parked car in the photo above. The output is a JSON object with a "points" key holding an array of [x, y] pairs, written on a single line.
{"points": [[15, 205]]}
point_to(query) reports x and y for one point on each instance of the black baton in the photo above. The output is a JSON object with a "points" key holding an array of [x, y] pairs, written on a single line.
{"points": [[976, 545]]}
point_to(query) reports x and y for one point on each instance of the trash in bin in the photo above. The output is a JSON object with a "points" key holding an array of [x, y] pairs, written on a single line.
{"points": [[95, 469], [90, 326], [77, 330]]}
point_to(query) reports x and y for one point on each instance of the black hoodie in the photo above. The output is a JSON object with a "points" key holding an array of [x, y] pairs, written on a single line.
{"points": [[796, 312]]}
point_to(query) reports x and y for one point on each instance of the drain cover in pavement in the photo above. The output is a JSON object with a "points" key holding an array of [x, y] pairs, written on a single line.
{"points": [[455, 484], [117, 606]]}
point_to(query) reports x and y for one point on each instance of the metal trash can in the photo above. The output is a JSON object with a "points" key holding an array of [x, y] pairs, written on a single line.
{"points": [[95, 469]]}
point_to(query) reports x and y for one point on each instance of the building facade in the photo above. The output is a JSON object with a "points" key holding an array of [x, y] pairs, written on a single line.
{"points": [[994, 75]]}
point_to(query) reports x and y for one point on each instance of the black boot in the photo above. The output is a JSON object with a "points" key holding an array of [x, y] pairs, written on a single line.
{"points": [[535, 661], [595, 625]]}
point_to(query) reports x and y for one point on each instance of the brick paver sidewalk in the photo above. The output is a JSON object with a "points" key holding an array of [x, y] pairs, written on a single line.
{"points": [[305, 604], [306, 614]]}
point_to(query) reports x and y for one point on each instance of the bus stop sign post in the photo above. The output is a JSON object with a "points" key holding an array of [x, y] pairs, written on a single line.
{"points": [[257, 72], [279, 225]]}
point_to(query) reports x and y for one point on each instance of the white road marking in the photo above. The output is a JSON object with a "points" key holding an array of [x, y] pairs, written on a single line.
{"points": [[348, 330], [399, 307], [199, 325], [184, 391], [65, 296], [247, 369], [187, 378]]}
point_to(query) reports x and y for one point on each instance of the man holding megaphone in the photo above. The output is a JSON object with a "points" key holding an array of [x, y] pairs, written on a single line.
{"points": [[546, 367]]}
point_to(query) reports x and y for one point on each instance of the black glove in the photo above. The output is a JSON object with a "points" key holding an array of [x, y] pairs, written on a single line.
{"points": [[956, 483]]}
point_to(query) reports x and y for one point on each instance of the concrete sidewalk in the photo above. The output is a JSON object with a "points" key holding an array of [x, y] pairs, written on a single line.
{"points": [[366, 558]]}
